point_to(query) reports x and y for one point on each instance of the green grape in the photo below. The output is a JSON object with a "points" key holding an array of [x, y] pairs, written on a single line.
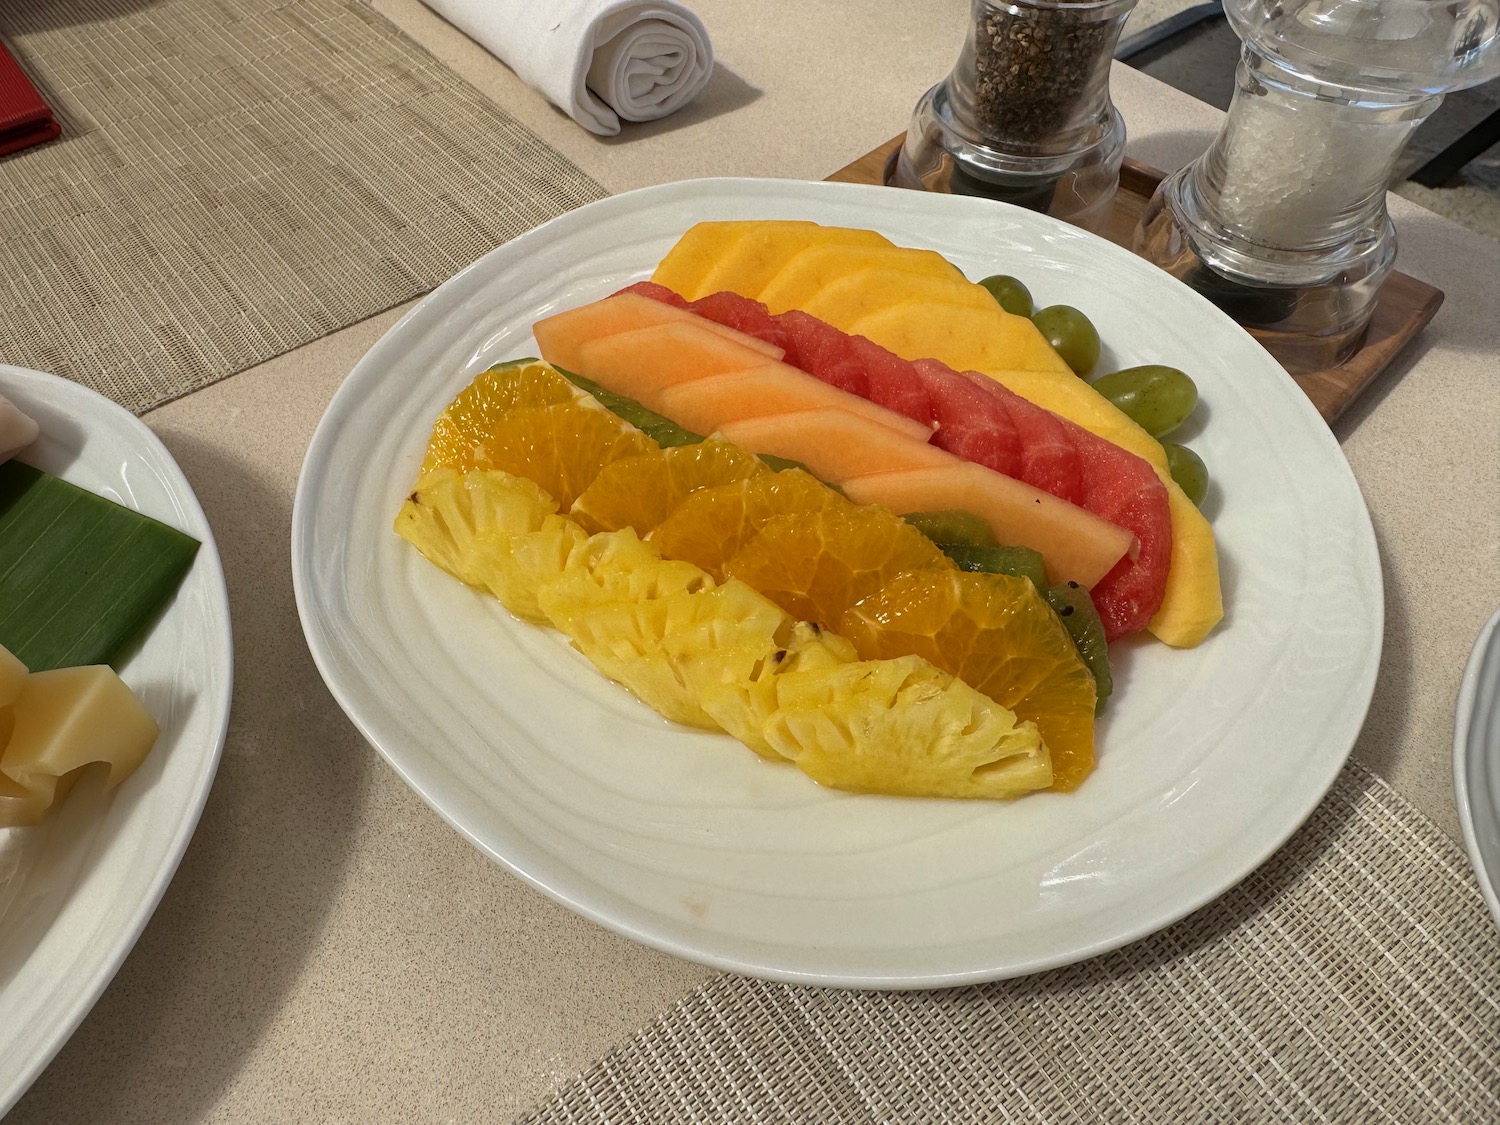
{"points": [[1075, 609], [1071, 335], [1011, 294], [1156, 398], [1188, 470], [952, 527]]}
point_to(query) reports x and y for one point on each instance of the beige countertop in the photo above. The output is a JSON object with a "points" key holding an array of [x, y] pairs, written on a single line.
{"points": [[330, 950]]}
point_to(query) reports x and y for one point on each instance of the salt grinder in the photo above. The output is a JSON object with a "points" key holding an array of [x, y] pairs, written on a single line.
{"points": [[1282, 222]]}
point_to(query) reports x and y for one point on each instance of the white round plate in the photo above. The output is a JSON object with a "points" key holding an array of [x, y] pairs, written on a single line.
{"points": [[1476, 761], [1208, 759], [89, 879]]}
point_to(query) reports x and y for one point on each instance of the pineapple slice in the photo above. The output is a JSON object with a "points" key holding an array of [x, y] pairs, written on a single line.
{"points": [[902, 726], [744, 706], [664, 634], [492, 530], [723, 656], [880, 726]]}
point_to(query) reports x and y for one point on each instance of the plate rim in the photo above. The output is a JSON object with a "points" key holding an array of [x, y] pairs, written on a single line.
{"points": [[339, 406], [1469, 766], [84, 998]]}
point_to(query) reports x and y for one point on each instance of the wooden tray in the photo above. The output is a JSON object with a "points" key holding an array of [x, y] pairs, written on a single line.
{"points": [[1404, 306]]}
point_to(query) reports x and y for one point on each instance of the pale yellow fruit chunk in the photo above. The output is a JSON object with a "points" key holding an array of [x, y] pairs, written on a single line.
{"points": [[65, 719], [17, 430], [12, 676]]}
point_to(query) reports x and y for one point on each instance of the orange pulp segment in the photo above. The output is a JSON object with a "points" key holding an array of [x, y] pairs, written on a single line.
{"points": [[560, 447], [492, 395], [712, 524], [817, 564], [641, 491]]}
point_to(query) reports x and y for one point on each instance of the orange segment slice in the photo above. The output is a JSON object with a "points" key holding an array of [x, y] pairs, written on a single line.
{"points": [[479, 407], [642, 491], [996, 634], [561, 447], [712, 524], [817, 564]]}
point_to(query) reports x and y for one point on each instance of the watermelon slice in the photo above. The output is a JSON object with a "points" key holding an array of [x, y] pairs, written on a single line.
{"points": [[822, 350], [1049, 458], [740, 313], [1124, 489], [1120, 487], [894, 382], [971, 424], [657, 293]]}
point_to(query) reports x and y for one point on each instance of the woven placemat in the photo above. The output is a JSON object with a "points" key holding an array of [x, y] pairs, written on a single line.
{"points": [[238, 178], [1353, 978]]}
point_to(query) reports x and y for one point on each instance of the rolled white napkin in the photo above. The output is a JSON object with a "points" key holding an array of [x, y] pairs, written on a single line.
{"points": [[597, 60]]}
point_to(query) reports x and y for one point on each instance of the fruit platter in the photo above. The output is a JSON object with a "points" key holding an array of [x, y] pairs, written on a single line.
{"points": [[1046, 689]]}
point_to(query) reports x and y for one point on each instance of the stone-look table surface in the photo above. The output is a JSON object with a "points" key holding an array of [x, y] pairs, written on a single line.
{"points": [[331, 951]]}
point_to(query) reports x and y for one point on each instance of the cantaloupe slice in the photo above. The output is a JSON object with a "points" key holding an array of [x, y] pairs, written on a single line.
{"points": [[705, 405], [963, 337], [812, 269], [640, 363], [1075, 545], [869, 291], [560, 335], [748, 254], [834, 444]]}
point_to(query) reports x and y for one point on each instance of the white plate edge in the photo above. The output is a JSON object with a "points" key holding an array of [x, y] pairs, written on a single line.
{"points": [[87, 997]]}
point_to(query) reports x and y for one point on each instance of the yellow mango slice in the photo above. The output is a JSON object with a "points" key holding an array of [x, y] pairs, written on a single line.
{"points": [[867, 291], [963, 337], [810, 270], [744, 256], [701, 248]]}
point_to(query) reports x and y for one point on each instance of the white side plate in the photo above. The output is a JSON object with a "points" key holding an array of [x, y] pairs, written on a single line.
{"points": [[89, 880], [1476, 761], [1208, 761]]}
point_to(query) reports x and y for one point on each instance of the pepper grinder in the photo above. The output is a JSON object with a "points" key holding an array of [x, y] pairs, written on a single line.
{"points": [[1025, 116], [1282, 221]]}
